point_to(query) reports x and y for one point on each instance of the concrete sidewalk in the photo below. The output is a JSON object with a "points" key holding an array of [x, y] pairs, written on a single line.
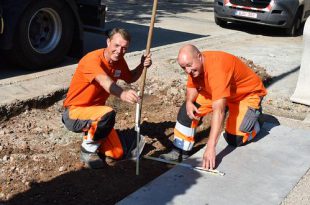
{"points": [[262, 172]]}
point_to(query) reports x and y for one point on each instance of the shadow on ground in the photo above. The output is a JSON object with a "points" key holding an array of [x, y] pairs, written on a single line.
{"points": [[82, 187], [277, 78], [104, 186], [92, 187], [95, 41], [256, 29], [140, 11], [139, 35]]}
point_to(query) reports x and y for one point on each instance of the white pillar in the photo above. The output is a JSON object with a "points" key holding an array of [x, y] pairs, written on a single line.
{"points": [[302, 91]]}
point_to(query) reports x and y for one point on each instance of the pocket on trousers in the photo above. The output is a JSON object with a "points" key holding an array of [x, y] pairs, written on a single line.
{"points": [[249, 120], [74, 125]]}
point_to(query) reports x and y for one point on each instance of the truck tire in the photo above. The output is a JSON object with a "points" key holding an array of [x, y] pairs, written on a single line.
{"points": [[220, 22], [294, 29], [44, 34]]}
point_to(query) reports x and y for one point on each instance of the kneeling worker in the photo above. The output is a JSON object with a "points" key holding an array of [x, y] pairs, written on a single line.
{"points": [[93, 81], [216, 80]]}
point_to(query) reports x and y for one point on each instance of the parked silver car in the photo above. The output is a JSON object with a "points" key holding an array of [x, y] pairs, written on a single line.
{"points": [[286, 14]]}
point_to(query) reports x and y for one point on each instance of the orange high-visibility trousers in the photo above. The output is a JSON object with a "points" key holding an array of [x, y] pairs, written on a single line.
{"points": [[185, 127], [97, 122]]}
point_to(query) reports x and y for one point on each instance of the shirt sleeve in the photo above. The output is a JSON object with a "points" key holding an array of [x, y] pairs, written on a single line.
{"points": [[90, 66], [219, 77], [190, 82]]}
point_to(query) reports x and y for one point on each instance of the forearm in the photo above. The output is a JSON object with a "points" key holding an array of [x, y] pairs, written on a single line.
{"points": [[216, 127], [191, 94], [217, 121], [136, 73], [109, 85]]}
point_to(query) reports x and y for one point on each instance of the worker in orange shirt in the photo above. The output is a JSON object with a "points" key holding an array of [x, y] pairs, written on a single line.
{"points": [[216, 81], [93, 81]]}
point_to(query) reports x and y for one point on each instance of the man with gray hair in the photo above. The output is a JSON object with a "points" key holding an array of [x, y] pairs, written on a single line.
{"points": [[85, 105]]}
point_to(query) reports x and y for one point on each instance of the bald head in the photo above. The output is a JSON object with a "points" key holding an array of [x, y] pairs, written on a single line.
{"points": [[190, 59], [188, 52]]}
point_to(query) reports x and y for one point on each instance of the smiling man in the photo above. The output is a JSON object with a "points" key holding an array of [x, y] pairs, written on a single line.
{"points": [[93, 81], [216, 81]]}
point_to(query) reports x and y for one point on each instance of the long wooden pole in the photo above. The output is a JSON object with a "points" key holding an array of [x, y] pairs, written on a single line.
{"points": [[148, 47], [142, 83]]}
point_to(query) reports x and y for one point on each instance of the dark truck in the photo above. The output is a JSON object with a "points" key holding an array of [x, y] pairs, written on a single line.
{"points": [[40, 33], [286, 14]]}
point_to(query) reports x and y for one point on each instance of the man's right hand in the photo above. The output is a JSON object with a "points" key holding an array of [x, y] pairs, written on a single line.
{"points": [[191, 109], [129, 96], [208, 160]]}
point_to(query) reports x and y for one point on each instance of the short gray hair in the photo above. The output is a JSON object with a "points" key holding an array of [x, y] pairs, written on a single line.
{"points": [[124, 33]]}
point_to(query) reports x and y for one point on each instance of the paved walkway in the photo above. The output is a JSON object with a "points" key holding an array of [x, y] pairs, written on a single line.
{"points": [[263, 172]]}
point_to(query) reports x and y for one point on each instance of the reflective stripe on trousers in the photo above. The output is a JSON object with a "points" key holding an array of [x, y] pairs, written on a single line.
{"points": [[184, 137]]}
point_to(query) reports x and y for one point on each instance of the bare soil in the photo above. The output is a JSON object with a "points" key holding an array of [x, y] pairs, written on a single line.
{"points": [[40, 163], [40, 158]]}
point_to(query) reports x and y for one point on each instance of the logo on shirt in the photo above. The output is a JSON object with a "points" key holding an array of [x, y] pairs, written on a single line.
{"points": [[117, 73]]}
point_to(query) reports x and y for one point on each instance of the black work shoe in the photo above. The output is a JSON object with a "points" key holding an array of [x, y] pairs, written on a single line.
{"points": [[175, 154], [91, 159]]}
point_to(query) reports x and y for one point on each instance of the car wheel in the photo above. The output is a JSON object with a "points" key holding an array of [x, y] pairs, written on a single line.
{"points": [[294, 30], [44, 34], [220, 22]]}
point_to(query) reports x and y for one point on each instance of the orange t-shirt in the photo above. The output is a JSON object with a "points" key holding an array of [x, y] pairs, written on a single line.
{"points": [[84, 89], [226, 76]]}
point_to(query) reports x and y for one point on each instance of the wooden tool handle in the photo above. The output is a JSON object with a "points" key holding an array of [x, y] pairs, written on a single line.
{"points": [[142, 81], [148, 47]]}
